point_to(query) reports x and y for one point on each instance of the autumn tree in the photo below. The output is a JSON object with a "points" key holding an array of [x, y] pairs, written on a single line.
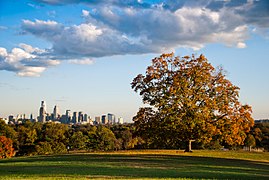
{"points": [[6, 149], [189, 100], [9, 132]]}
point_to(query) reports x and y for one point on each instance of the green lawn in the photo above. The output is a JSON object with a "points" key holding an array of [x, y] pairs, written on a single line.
{"points": [[167, 164]]}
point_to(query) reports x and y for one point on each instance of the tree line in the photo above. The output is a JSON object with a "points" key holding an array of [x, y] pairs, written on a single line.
{"points": [[51, 138]]}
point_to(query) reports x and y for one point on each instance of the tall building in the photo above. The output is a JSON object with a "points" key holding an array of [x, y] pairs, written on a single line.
{"points": [[67, 117], [56, 113], [97, 120], [120, 120], [75, 118], [11, 118], [42, 112], [80, 116], [111, 118], [104, 119], [86, 118]]}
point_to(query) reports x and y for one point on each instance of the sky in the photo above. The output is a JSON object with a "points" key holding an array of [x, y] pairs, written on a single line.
{"points": [[82, 55]]}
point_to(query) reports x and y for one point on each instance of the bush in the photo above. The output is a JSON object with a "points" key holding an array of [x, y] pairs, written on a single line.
{"points": [[214, 145], [58, 148], [43, 148]]}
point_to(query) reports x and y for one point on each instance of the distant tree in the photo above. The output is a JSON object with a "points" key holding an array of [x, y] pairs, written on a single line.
{"points": [[43, 148], [58, 148], [26, 135], [118, 144], [261, 134], [78, 141], [9, 132], [190, 101], [250, 141], [92, 142], [53, 132], [126, 138], [105, 139], [55, 135], [6, 149]]}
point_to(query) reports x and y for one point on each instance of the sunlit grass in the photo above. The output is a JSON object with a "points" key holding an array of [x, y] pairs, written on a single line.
{"points": [[145, 164]]}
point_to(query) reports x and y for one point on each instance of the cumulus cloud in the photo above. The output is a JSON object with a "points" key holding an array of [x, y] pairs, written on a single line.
{"points": [[114, 30], [84, 40], [25, 60], [119, 27]]}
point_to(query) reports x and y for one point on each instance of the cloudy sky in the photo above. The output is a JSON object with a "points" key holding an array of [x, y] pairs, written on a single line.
{"points": [[83, 54]]}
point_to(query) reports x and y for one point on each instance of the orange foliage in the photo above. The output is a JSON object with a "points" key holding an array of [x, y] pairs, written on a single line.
{"points": [[6, 149]]}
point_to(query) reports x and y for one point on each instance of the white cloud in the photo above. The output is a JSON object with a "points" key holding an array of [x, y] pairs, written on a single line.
{"points": [[31, 49], [85, 13], [84, 40], [3, 52], [31, 71], [84, 61], [241, 45], [25, 61], [45, 29]]}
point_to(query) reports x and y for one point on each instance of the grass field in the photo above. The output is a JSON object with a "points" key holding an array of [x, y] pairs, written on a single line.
{"points": [[157, 164]]}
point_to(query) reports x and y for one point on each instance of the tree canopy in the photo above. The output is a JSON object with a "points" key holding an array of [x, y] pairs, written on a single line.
{"points": [[189, 100]]}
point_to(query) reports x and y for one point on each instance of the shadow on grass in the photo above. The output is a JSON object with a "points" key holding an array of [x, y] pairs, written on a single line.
{"points": [[133, 166]]}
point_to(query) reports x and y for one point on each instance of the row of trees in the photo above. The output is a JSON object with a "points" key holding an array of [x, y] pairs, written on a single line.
{"points": [[37, 138], [49, 138]]}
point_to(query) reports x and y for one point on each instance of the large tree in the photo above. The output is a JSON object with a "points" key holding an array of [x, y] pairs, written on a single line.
{"points": [[189, 100]]}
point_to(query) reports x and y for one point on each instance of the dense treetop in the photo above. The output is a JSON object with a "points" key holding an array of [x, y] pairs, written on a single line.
{"points": [[192, 100]]}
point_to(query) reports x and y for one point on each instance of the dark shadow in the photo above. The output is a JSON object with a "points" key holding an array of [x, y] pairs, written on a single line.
{"points": [[134, 166]]}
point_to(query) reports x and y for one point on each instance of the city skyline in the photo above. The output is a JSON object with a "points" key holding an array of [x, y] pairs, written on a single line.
{"points": [[68, 117], [84, 55]]}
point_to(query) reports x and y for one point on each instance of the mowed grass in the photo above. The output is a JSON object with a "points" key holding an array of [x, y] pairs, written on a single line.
{"points": [[147, 164]]}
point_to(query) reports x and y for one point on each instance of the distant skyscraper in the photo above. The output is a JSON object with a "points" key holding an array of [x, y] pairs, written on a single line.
{"points": [[56, 112], [42, 112], [111, 118], [80, 116], [86, 118], [43, 105], [104, 119], [75, 117], [120, 120], [11, 118], [67, 117], [97, 120]]}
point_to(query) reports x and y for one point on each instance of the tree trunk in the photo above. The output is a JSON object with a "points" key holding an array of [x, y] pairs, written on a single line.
{"points": [[188, 147]]}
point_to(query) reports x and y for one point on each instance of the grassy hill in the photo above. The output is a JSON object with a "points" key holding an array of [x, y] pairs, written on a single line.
{"points": [[150, 164]]}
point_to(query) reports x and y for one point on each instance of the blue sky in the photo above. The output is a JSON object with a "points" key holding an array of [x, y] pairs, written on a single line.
{"points": [[82, 55]]}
